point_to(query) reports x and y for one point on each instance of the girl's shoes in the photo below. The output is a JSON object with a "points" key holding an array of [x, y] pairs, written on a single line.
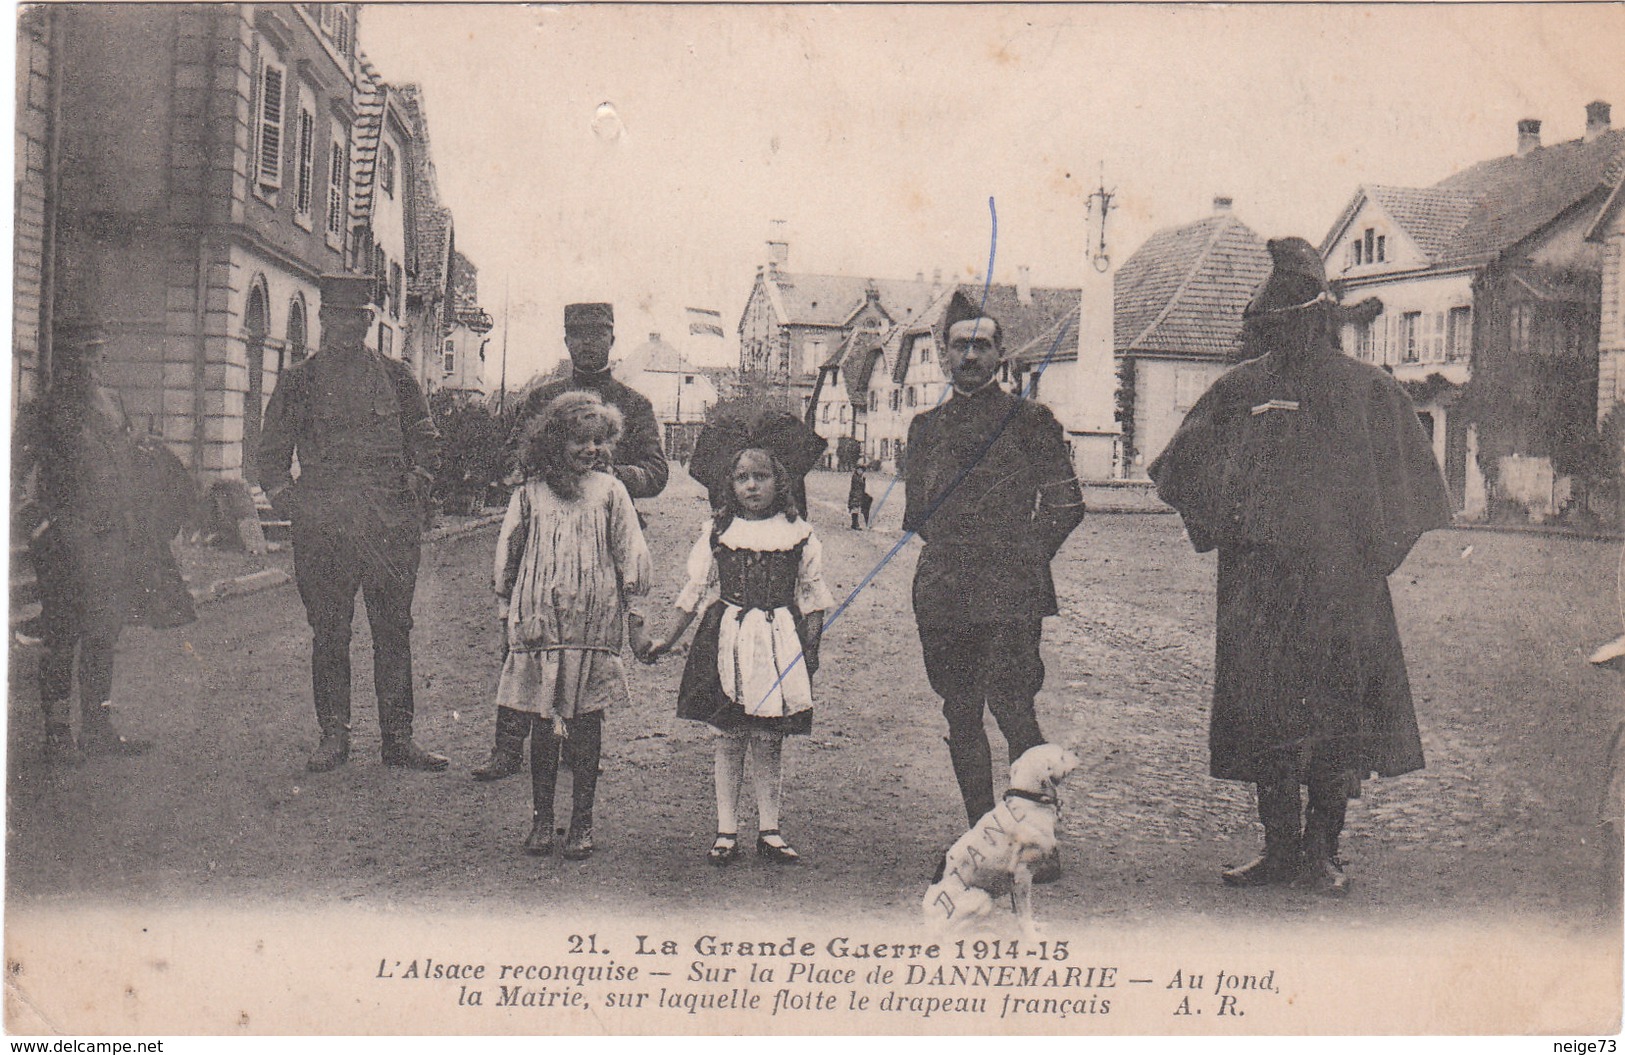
{"points": [[578, 844], [539, 843], [725, 850], [771, 845]]}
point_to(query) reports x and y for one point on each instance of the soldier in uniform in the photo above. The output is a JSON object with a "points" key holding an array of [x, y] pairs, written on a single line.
{"points": [[639, 463], [85, 540], [1310, 474], [367, 452], [991, 489]]}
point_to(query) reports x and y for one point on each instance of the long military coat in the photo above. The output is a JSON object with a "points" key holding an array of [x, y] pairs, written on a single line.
{"points": [[1312, 476]]}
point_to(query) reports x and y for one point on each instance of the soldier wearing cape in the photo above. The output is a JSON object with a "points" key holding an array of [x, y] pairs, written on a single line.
{"points": [[1311, 474]]}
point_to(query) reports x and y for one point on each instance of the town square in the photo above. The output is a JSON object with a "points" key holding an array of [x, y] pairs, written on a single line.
{"points": [[584, 465]]}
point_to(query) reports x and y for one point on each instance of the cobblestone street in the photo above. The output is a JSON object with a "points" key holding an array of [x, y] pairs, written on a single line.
{"points": [[1501, 821]]}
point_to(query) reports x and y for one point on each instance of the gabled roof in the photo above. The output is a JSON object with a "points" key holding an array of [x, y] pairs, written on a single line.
{"points": [[1020, 325], [1516, 196], [1482, 211], [1058, 344], [654, 355], [1183, 291], [805, 299], [1616, 201], [859, 371]]}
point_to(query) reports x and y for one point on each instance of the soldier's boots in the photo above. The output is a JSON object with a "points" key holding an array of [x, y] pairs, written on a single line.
{"points": [[1278, 864], [539, 843], [405, 754], [1322, 872], [98, 737], [578, 843], [1282, 860], [508, 754], [332, 752]]}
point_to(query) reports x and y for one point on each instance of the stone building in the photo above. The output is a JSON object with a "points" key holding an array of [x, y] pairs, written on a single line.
{"points": [[187, 173], [1177, 310], [1491, 297]]}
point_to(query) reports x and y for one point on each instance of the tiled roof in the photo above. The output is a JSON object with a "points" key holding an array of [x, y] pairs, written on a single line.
{"points": [[830, 300], [654, 354], [1183, 291], [1431, 216], [1058, 344], [858, 373], [1519, 195], [1484, 210]]}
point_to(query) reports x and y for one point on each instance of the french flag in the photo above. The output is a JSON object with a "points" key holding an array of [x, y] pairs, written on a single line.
{"points": [[704, 321]]}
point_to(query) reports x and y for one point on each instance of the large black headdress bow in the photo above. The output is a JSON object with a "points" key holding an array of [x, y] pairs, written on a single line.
{"points": [[795, 444]]}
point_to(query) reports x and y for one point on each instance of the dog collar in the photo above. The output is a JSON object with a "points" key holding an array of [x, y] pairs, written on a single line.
{"points": [[1033, 796]]}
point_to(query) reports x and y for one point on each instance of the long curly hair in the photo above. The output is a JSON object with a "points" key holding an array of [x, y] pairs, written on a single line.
{"points": [[784, 498], [574, 415]]}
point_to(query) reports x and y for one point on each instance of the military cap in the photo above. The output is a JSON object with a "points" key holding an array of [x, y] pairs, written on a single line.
{"points": [[589, 315], [1297, 278], [961, 308], [348, 291]]}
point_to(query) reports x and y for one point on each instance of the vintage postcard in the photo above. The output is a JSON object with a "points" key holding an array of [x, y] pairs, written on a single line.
{"points": [[1080, 520]]}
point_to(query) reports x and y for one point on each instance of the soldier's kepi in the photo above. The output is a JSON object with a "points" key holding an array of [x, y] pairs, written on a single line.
{"points": [[367, 452]]}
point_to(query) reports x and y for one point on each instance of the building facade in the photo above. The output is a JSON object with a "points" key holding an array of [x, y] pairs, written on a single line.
{"points": [[186, 174], [1178, 301], [1491, 296]]}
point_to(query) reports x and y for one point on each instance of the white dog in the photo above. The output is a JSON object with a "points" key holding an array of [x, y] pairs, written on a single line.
{"points": [[997, 854]]}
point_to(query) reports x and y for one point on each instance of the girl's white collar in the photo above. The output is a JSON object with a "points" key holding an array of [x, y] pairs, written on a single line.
{"points": [[774, 534]]}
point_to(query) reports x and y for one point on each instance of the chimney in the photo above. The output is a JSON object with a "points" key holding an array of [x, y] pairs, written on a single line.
{"points": [[1024, 286], [1528, 135], [1222, 203], [919, 276], [778, 245], [936, 281], [654, 338], [1597, 119]]}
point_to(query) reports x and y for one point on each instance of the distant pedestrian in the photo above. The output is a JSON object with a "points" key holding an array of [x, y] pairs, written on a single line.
{"points": [[367, 452], [570, 558], [749, 672], [1310, 473], [858, 498], [991, 489]]}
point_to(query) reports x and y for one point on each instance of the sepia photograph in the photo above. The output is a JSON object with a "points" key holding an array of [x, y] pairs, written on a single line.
{"points": [[1086, 520]]}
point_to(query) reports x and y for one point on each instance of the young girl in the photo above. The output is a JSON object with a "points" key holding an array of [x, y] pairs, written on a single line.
{"points": [[748, 674], [569, 555]]}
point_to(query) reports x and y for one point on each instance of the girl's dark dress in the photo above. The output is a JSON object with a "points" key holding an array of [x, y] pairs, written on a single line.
{"points": [[760, 589]]}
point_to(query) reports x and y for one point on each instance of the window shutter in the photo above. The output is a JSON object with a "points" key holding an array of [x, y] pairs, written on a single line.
{"points": [[272, 83], [337, 183], [307, 161]]}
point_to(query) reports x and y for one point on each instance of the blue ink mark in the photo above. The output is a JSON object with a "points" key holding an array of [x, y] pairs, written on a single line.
{"points": [[908, 536], [987, 285]]}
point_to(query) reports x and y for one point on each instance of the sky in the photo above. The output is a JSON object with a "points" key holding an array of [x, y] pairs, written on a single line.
{"points": [[639, 155]]}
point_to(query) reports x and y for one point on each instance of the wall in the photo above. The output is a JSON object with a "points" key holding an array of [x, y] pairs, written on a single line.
{"points": [[1164, 391], [32, 142]]}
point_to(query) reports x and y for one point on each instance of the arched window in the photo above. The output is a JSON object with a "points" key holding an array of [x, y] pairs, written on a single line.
{"points": [[256, 328], [297, 338]]}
